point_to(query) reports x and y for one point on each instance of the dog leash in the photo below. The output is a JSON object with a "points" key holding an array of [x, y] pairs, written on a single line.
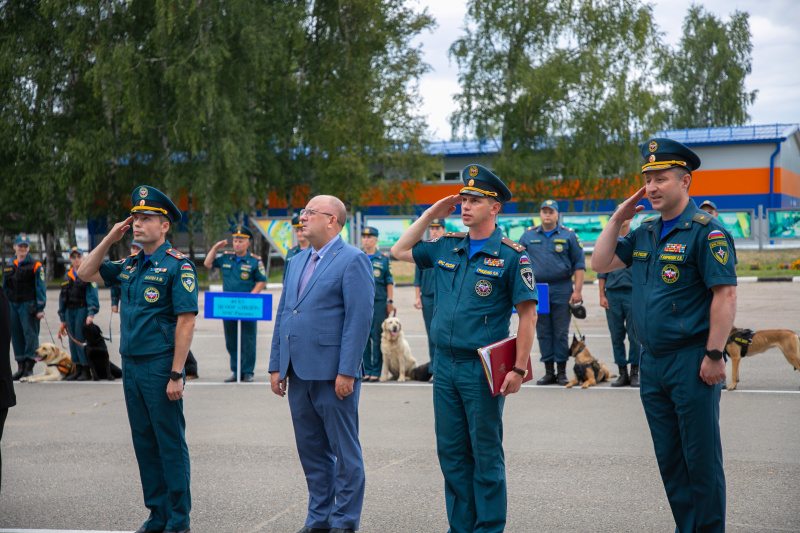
{"points": [[577, 328], [46, 323]]}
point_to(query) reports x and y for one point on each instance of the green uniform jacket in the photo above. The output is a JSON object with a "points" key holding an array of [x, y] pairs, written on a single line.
{"points": [[382, 274], [240, 276]]}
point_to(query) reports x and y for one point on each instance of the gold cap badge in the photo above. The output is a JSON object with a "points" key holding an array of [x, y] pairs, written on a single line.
{"points": [[653, 146], [473, 171], [143, 193]]}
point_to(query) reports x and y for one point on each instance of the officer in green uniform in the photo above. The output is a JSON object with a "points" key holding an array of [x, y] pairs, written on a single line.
{"points": [[78, 303], [159, 297], [684, 302], [710, 207], [424, 289], [384, 303], [241, 272], [116, 290], [480, 277], [302, 242], [23, 281]]}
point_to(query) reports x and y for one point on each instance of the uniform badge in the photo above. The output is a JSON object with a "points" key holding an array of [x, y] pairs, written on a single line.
{"points": [[151, 294], [158, 270], [720, 251], [118, 262], [527, 277], [487, 272], [41, 274], [141, 202], [142, 193], [262, 270], [446, 265], [376, 273], [670, 273], [133, 268], [483, 287], [433, 240], [524, 260], [716, 234], [245, 275], [186, 266], [559, 247], [473, 171], [675, 248], [188, 282], [494, 262], [653, 146], [652, 158]]}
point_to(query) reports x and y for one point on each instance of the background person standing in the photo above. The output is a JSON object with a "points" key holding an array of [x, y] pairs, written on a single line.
{"points": [[116, 290], [383, 305], [425, 290], [23, 281], [78, 303], [241, 272], [7, 397], [302, 242]]}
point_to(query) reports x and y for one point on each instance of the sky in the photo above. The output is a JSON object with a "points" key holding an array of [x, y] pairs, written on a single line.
{"points": [[775, 57]]}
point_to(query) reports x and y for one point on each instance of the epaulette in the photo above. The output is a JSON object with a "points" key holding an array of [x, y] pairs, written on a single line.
{"points": [[568, 229], [515, 245], [650, 219], [176, 254], [702, 218], [256, 256], [228, 253], [455, 234], [134, 255], [530, 228]]}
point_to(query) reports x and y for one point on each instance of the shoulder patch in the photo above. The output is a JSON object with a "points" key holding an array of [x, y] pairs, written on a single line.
{"points": [[702, 218], [455, 234], [516, 246], [176, 254]]}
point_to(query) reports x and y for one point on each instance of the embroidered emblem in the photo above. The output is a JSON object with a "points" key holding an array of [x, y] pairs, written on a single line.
{"points": [[157, 279], [151, 294], [716, 234], [524, 260], [559, 247], [473, 171], [653, 146], [444, 264], [494, 262], [675, 248], [483, 287], [376, 273], [641, 256], [670, 273], [672, 257], [133, 268], [188, 282], [245, 274], [527, 277], [487, 272], [124, 276], [187, 266], [142, 194], [720, 251]]}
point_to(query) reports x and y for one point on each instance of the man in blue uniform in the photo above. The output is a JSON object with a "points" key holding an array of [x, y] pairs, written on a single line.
{"points": [[480, 277], [557, 255], [615, 297], [302, 243], [159, 297], [710, 207], [77, 305], [424, 289], [384, 302], [116, 290], [684, 303], [23, 281], [241, 272]]}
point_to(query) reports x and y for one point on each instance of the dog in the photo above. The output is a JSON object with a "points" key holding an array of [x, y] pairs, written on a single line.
{"points": [[588, 369], [743, 342], [396, 351], [97, 354], [422, 372], [59, 364]]}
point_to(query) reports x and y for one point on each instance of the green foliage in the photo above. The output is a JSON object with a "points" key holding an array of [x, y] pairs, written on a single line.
{"points": [[706, 73]]}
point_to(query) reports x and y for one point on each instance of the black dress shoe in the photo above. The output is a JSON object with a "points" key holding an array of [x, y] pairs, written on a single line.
{"points": [[248, 378], [338, 530], [309, 529], [145, 530], [231, 379], [187, 530], [548, 379]]}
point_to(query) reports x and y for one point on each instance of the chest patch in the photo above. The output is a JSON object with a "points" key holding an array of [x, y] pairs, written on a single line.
{"points": [[158, 270], [720, 251], [483, 287], [670, 273], [488, 272], [527, 277], [675, 248], [536, 241], [561, 241], [559, 247], [493, 262], [377, 273], [245, 274], [675, 258], [151, 294], [640, 255], [446, 265]]}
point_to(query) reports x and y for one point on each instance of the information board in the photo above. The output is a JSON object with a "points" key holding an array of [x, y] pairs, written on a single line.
{"points": [[238, 306]]}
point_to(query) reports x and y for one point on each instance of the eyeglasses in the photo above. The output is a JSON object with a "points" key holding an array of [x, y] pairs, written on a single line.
{"points": [[309, 212]]}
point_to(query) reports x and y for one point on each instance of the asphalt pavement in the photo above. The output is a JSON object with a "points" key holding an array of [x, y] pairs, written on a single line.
{"points": [[576, 460]]}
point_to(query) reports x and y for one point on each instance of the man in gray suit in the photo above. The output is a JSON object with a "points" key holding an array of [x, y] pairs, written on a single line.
{"points": [[321, 327]]}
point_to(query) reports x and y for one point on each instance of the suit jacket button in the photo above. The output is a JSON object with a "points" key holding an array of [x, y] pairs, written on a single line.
{"points": [[294, 312]]}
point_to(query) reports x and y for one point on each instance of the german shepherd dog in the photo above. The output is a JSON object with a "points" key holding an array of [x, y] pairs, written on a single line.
{"points": [[588, 369], [763, 340]]}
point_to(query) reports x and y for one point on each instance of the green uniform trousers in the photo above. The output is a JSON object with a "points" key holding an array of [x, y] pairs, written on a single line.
{"points": [[75, 320], [24, 329], [373, 357]]}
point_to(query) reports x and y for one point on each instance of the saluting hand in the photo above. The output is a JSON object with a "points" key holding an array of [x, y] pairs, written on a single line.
{"points": [[445, 207], [221, 243], [119, 229], [628, 209]]}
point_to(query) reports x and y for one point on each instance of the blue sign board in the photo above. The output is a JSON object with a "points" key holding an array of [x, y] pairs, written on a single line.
{"points": [[543, 305], [238, 306]]}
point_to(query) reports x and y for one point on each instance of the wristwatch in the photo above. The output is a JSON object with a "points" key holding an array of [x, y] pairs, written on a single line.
{"points": [[523, 373], [714, 355], [389, 301], [175, 376]]}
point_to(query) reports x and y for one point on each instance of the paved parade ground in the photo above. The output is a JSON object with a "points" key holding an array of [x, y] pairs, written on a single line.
{"points": [[577, 460]]}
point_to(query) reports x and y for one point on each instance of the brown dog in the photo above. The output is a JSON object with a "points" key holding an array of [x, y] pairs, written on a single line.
{"points": [[59, 365], [763, 340], [588, 369]]}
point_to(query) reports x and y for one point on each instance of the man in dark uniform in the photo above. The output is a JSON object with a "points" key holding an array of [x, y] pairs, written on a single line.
{"points": [[615, 297], [480, 277], [710, 207], [384, 303], [684, 303], [23, 281], [159, 297], [241, 272], [424, 289], [302, 242], [7, 397], [557, 255], [77, 305], [116, 290]]}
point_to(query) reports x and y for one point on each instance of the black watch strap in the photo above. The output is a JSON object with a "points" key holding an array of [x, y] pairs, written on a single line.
{"points": [[714, 355], [175, 376]]}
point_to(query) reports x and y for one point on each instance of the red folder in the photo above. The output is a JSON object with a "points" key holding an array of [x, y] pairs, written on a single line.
{"points": [[497, 359]]}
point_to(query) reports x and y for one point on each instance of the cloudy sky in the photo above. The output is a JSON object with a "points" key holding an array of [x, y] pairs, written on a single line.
{"points": [[776, 55]]}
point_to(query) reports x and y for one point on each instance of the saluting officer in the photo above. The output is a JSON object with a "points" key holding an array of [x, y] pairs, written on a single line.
{"points": [[241, 272], [77, 305], [302, 242], [23, 281], [383, 305], [159, 297], [684, 302], [480, 277], [557, 255], [116, 290], [424, 289]]}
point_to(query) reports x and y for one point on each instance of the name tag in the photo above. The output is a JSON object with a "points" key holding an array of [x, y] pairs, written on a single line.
{"points": [[672, 258], [446, 265], [640, 255], [124, 276], [563, 241], [488, 272], [226, 266], [152, 278]]}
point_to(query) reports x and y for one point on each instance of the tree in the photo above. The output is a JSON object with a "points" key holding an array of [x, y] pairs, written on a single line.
{"points": [[567, 87], [706, 73]]}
